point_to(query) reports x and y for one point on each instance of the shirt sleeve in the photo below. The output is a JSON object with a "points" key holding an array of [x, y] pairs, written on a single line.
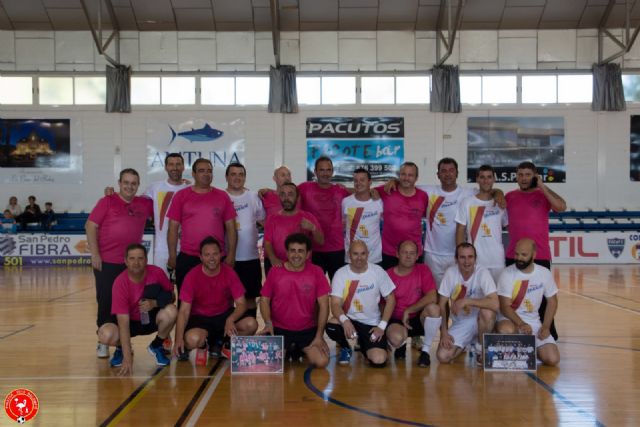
{"points": [[149, 206], [337, 285], [186, 290], [487, 283], [428, 284], [386, 284], [229, 209], [446, 285], [505, 285], [162, 279], [259, 211], [99, 212], [119, 303], [267, 287], [322, 284], [268, 230], [550, 286], [175, 208], [236, 286], [461, 213]]}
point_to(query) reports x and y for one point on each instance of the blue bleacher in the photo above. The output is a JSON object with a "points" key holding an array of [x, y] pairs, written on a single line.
{"points": [[590, 220]]}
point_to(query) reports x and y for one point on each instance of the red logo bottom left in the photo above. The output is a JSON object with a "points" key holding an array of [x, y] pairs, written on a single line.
{"points": [[21, 405]]}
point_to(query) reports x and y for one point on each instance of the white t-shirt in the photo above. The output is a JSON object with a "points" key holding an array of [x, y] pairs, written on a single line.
{"points": [[249, 210], [478, 286], [484, 232], [440, 236], [371, 284], [362, 220], [539, 282], [161, 192]]}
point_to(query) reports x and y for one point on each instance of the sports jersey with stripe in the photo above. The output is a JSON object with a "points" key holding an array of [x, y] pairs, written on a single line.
{"points": [[362, 222]]}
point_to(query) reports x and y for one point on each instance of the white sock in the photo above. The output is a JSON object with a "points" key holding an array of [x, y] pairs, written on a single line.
{"points": [[431, 326]]}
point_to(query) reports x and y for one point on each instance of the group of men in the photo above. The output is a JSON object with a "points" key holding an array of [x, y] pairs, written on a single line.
{"points": [[368, 241]]}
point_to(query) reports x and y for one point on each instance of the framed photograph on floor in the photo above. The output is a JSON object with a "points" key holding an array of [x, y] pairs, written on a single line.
{"points": [[257, 355], [506, 352]]}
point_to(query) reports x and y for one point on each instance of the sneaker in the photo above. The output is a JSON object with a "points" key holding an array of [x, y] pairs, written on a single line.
{"points": [[215, 350], [424, 360], [116, 360], [158, 354], [225, 352], [167, 345], [184, 356], [345, 356], [102, 351], [401, 352]]}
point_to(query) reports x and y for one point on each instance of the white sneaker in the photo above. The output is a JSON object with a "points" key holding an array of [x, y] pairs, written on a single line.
{"points": [[102, 351]]}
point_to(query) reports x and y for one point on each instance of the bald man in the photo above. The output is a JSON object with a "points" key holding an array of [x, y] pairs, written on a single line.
{"points": [[270, 198], [520, 289]]}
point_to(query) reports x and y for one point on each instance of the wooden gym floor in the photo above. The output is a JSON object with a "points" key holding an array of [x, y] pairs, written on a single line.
{"points": [[47, 344]]}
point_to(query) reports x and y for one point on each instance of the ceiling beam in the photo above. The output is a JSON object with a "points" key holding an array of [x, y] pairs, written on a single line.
{"points": [[452, 25], [628, 38], [97, 33], [275, 29]]}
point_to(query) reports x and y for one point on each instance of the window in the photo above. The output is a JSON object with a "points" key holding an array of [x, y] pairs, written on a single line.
{"points": [[145, 90], [499, 89], [218, 90], [470, 89], [16, 90], [56, 90], [412, 90], [90, 90], [338, 90], [575, 88], [308, 89], [178, 90], [377, 90], [539, 89], [252, 90]]}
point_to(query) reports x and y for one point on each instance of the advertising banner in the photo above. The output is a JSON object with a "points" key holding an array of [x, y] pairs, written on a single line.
{"points": [[221, 142], [595, 247], [505, 142], [43, 249], [373, 143], [39, 151]]}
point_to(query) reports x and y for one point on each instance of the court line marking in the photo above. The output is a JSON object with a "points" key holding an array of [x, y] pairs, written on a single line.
{"points": [[133, 399], [564, 399], [600, 345], [17, 332], [327, 398], [69, 294], [207, 396], [98, 377], [598, 300], [197, 394], [624, 298]]}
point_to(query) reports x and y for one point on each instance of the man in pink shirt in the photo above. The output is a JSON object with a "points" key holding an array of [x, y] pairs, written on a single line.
{"points": [[288, 221], [207, 296], [295, 303], [528, 212], [197, 212], [416, 312], [403, 213], [142, 303], [115, 222], [324, 200]]}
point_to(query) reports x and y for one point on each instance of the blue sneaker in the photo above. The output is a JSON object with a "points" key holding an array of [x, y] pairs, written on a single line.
{"points": [[345, 356], [158, 354], [116, 360]]}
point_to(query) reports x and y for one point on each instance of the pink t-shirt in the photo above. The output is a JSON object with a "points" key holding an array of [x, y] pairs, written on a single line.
{"points": [[278, 227], [293, 296], [528, 214], [402, 219], [201, 215], [119, 225], [326, 205], [126, 294], [211, 296], [410, 288]]}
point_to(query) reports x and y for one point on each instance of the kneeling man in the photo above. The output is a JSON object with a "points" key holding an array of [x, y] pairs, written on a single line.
{"points": [[142, 299], [474, 303], [521, 287]]}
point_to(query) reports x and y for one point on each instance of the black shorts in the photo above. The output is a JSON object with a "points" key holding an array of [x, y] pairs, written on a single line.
{"points": [[250, 274], [417, 328], [136, 328], [364, 337], [184, 264], [296, 340], [214, 325]]}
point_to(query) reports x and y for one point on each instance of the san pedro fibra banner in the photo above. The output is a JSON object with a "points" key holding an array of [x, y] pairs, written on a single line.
{"points": [[222, 142], [373, 143]]}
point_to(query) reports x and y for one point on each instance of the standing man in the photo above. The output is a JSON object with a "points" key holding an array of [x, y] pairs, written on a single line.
{"points": [[208, 295], [115, 222], [249, 213], [403, 213], [416, 312], [288, 221], [528, 209], [521, 288], [356, 290], [271, 198], [324, 200], [142, 304], [162, 192], [362, 217], [295, 303], [480, 221], [474, 304], [197, 212]]}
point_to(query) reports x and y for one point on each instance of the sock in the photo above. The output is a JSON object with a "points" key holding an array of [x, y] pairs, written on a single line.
{"points": [[157, 342], [431, 326]]}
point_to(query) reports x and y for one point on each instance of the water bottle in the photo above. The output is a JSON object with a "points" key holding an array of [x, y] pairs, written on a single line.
{"points": [[144, 317]]}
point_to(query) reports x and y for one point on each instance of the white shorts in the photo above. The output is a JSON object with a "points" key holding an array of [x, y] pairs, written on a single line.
{"points": [[438, 264], [464, 331], [535, 327]]}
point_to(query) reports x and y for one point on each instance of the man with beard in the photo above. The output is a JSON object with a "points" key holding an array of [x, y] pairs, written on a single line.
{"points": [[474, 303], [528, 211], [521, 288], [270, 198], [288, 221]]}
